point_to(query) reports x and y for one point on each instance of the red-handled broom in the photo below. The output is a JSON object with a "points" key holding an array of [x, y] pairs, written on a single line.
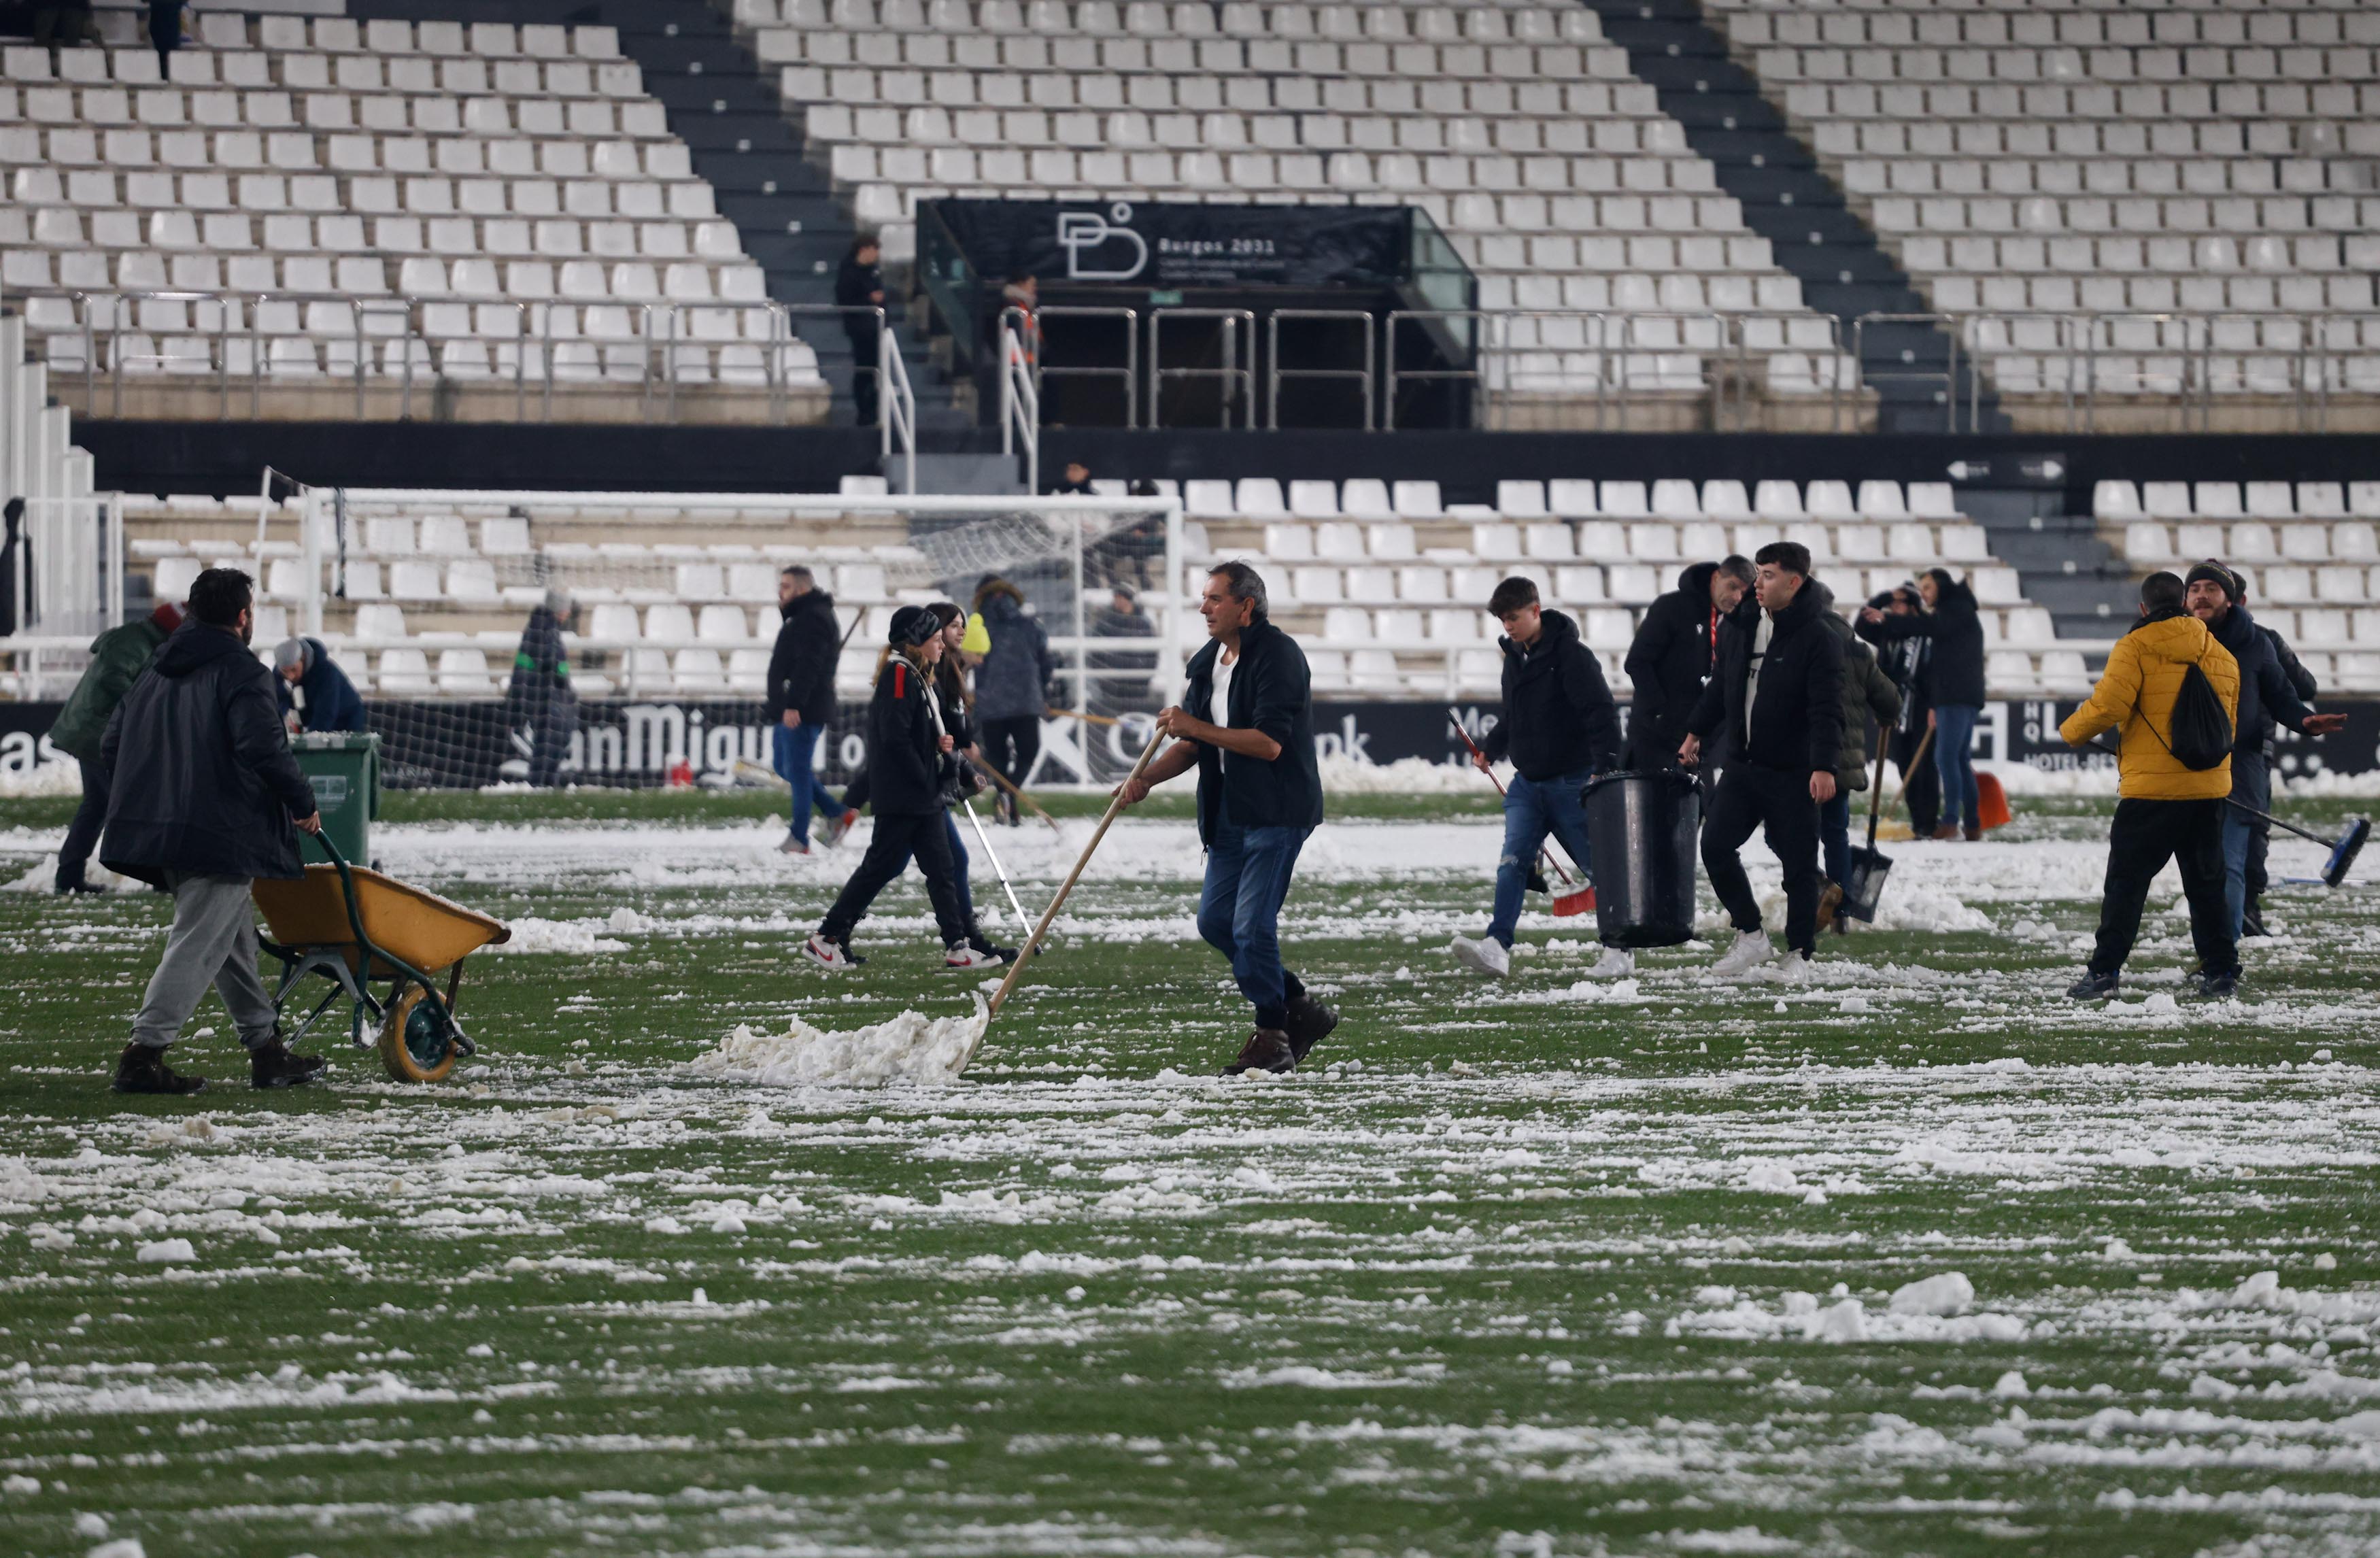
{"points": [[1576, 898]]}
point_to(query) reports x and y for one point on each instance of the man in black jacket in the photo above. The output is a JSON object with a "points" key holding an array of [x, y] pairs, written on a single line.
{"points": [[1909, 663], [1560, 728], [1259, 798], [1673, 653], [1779, 692], [911, 772], [2260, 830], [204, 793], [2212, 594], [860, 288], [801, 700]]}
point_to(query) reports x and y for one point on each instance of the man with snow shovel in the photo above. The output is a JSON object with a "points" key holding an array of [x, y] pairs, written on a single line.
{"points": [[1259, 798], [1560, 727]]}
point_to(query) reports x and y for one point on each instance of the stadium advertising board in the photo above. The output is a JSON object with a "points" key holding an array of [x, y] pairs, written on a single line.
{"points": [[459, 745], [1151, 244]]}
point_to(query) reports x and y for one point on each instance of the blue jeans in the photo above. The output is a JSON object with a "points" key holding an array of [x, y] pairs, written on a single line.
{"points": [[1239, 911], [1534, 807], [1954, 761], [2252, 782], [790, 753], [1835, 835]]}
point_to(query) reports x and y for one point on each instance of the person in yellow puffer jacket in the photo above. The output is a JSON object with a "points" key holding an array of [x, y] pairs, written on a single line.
{"points": [[2167, 810]]}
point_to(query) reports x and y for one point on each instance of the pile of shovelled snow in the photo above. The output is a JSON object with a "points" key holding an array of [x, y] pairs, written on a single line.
{"points": [[581, 936], [61, 776], [2351, 785], [1351, 777], [910, 1048]]}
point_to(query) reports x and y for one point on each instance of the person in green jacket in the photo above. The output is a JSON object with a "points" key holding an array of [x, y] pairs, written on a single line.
{"points": [[1867, 689], [118, 658]]}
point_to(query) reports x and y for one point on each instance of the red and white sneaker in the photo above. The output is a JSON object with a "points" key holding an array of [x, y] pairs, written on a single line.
{"points": [[831, 954], [963, 956], [831, 832]]}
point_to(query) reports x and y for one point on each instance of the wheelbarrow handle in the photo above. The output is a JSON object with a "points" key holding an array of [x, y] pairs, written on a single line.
{"points": [[347, 891]]}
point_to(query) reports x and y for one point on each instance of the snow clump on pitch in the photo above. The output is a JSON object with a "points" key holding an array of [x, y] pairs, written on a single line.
{"points": [[909, 1048]]}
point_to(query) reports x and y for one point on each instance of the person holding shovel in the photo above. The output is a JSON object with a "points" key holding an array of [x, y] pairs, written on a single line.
{"points": [[1251, 740], [1560, 727]]}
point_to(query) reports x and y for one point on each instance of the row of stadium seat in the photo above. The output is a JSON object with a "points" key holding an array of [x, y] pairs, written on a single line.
{"points": [[793, 366], [366, 276], [1381, 20], [280, 90], [1626, 144], [2180, 141], [1263, 497], [591, 151], [173, 195], [2070, 26], [2233, 499]]}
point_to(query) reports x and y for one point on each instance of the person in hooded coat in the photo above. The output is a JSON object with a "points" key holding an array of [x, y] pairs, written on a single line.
{"points": [[2268, 699], [1951, 622], [540, 696], [1867, 691], [324, 698], [118, 658], [1560, 727], [204, 798], [1673, 653], [1012, 684], [1909, 663]]}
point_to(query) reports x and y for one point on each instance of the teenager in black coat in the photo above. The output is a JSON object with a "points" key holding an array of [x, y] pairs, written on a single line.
{"points": [[1675, 648]]}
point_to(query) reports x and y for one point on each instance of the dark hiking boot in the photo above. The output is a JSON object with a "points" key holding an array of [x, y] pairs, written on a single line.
{"points": [[2252, 923], [142, 1069], [1268, 1049], [271, 1065], [2092, 986], [1310, 1022], [2217, 986], [1537, 883]]}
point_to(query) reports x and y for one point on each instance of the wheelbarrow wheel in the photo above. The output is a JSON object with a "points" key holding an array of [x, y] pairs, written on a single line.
{"points": [[415, 1043]]}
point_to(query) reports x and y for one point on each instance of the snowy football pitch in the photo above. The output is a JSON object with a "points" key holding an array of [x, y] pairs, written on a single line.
{"points": [[1919, 1258]]}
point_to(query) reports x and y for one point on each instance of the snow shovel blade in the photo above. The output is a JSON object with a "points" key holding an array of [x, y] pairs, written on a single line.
{"points": [[2342, 855], [1577, 901], [1865, 889]]}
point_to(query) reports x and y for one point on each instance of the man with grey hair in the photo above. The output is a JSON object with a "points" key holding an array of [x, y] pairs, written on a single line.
{"points": [[324, 698], [1251, 739], [541, 697]]}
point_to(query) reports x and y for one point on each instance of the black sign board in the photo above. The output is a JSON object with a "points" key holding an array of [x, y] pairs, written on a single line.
{"points": [[1149, 244]]}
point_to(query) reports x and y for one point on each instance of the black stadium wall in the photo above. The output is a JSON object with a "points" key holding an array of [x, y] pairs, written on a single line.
{"points": [[653, 743]]}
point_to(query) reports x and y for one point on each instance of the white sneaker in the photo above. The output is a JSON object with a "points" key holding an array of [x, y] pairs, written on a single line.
{"points": [[829, 955], [1617, 963], [1750, 951], [1794, 968], [792, 847], [965, 956], [1485, 955]]}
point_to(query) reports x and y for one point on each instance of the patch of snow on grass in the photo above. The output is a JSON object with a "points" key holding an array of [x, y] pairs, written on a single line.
{"points": [[910, 1047]]}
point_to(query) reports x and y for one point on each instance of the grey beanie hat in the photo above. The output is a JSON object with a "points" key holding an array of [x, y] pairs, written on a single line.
{"points": [[293, 651], [557, 600]]}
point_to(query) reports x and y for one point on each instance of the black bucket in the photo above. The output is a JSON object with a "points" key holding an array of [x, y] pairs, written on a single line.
{"points": [[1642, 826]]}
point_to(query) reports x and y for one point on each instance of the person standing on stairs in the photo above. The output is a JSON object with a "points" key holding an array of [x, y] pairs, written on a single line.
{"points": [[859, 284], [1950, 619]]}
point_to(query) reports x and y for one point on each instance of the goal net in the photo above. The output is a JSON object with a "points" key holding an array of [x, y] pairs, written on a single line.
{"points": [[432, 603]]}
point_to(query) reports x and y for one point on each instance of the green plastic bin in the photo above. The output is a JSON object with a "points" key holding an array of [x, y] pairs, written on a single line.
{"points": [[344, 768]]}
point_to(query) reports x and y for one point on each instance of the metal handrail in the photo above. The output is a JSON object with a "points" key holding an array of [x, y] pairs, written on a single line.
{"points": [[1275, 372], [896, 410], [1475, 317], [1230, 375], [1029, 328], [1020, 405]]}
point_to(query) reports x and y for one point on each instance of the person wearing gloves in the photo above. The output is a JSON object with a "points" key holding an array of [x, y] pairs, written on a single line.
{"points": [[1012, 684], [324, 698], [913, 770], [1560, 727], [1956, 674], [204, 798], [1778, 692], [2165, 808], [2268, 699], [118, 658], [1866, 690]]}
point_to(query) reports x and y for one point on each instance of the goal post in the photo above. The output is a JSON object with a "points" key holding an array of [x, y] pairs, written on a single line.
{"points": [[423, 594]]}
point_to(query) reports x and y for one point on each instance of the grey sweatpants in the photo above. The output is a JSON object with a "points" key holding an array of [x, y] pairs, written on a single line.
{"points": [[212, 942]]}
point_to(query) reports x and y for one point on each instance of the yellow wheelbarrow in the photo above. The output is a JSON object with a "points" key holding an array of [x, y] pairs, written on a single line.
{"points": [[353, 926]]}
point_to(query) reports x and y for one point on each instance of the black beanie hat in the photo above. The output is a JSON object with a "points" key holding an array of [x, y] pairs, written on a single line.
{"points": [[2220, 577], [913, 625]]}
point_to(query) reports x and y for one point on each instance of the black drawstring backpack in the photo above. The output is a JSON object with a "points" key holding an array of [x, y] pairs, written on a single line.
{"points": [[2202, 731]]}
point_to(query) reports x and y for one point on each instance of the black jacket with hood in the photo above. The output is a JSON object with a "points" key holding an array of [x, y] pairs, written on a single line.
{"points": [[202, 780], [1908, 660], [1797, 720], [1668, 662], [905, 763], [1273, 692], [1558, 717], [1866, 690], [2266, 696], [1956, 668], [801, 668], [1013, 680]]}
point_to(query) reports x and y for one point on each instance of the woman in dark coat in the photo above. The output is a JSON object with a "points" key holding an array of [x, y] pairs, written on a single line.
{"points": [[1951, 622]]}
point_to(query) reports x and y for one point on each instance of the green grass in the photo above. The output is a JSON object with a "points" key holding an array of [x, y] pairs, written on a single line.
{"points": [[1418, 1299]]}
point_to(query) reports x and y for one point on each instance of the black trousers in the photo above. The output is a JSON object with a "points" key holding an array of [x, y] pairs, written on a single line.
{"points": [[927, 836], [2144, 835], [82, 833], [1924, 786], [865, 379], [1779, 803], [2260, 840], [1010, 746]]}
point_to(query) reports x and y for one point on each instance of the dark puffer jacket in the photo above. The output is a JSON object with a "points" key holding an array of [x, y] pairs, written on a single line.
{"points": [[801, 666], [904, 761], [1558, 717], [1866, 690], [1797, 721], [1013, 680], [2266, 695], [1668, 662], [118, 658], [1956, 668], [202, 780]]}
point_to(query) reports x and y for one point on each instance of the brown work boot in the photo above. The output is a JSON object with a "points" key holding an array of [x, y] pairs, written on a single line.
{"points": [[1310, 1022], [1947, 832], [1972, 833], [1830, 899], [142, 1068], [1268, 1049]]}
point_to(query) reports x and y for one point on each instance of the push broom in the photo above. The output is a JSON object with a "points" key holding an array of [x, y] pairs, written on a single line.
{"points": [[1577, 897]]}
